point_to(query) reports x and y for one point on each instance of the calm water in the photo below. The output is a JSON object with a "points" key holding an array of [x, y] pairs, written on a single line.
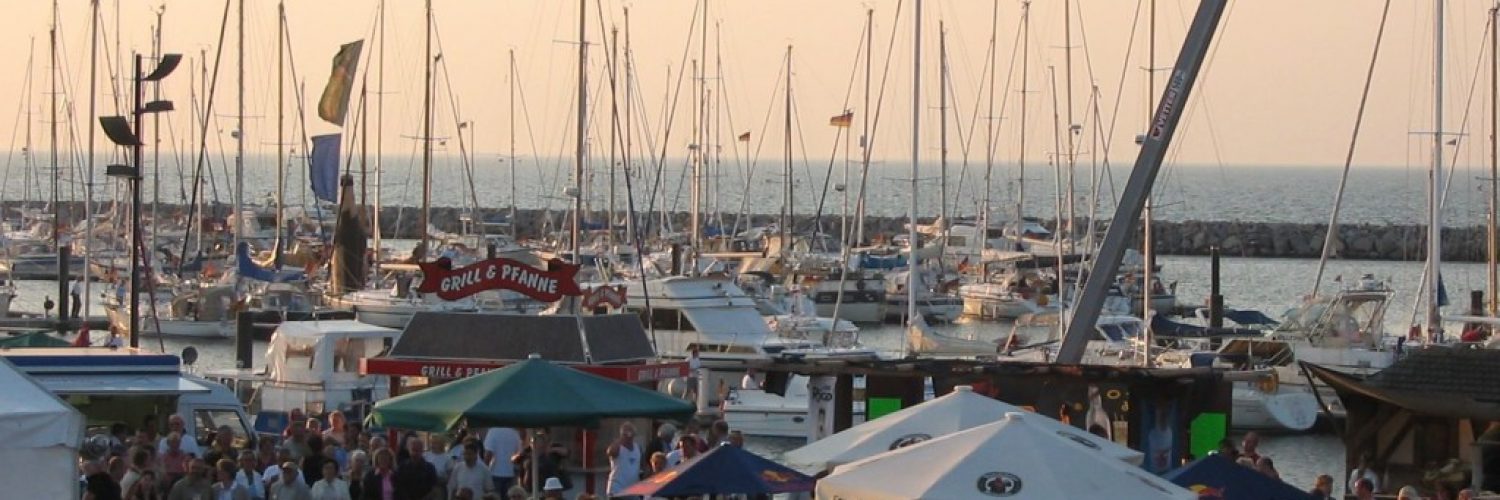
{"points": [[1376, 195]]}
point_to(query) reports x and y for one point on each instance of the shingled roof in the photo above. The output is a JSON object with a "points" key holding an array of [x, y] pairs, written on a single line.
{"points": [[1458, 382]]}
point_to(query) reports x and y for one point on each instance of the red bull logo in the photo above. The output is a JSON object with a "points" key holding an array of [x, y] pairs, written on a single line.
{"points": [[776, 476]]}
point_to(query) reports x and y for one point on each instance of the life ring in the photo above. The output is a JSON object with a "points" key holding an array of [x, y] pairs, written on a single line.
{"points": [[1268, 384]]}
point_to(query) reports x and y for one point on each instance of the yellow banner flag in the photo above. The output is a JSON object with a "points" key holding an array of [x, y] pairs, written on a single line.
{"points": [[334, 104]]}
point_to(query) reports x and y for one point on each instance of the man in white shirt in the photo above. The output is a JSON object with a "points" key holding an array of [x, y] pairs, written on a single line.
{"points": [[500, 444], [687, 448], [750, 382], [273, 471], [248, 478], [189, 445], [469, 478]]}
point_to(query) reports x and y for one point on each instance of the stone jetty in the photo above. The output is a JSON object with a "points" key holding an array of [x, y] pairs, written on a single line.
{"points": [[1233, 238]]}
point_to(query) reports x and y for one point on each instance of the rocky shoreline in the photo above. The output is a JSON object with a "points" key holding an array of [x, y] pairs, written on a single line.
{"points": [[1233, 238]]}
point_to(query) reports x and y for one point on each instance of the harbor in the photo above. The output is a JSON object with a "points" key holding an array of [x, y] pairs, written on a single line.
{"points": [[521, 264]]}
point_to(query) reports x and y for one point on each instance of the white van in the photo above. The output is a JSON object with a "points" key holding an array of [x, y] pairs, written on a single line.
{"points": [[113, 385]]}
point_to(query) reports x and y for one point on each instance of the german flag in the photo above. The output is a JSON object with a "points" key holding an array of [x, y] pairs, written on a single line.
{"points": [[843, 120], [335, 101], [745, 137]]}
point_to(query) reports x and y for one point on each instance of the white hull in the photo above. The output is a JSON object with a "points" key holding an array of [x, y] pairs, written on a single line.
{"points": [[759, 413], [1291, 410], [934, 310], [119, 320], [860, 312]]}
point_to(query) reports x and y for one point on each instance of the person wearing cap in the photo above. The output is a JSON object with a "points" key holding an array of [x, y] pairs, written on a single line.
{"points": [[553, 488], [288, 486]]}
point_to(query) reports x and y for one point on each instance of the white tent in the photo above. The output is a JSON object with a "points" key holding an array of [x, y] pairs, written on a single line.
{"points": [[39, 439], [959, 410], [1013, 458]]}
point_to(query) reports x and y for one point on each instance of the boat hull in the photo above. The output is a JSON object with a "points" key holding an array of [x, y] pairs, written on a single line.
{"points": [[1287, 410]]}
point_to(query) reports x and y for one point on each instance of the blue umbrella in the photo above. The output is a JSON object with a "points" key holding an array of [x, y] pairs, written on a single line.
{"points": [[726, 470], [1216, 477]]}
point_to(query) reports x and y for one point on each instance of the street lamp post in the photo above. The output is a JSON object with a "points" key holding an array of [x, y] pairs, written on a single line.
{"points": [[127, 133]]}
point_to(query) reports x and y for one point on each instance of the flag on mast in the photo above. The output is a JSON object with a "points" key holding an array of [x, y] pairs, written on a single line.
{"points": [[745, 137], [334, 104], [324, 173], [843, 120]]}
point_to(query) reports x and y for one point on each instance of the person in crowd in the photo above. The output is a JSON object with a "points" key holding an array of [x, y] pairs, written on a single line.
{"points": [[1363, 488], [225, 487], [338, 429], [1466, 494], [658, 463], [312, 464], [737, 438], [222, 446], [687, 448], [378, 442], [97, 483], [176, 425], [140, 462], [551, 462], [415, 478], [624, 461], [359, 462], [297, 442], [437, 455], [516, 493], [1366, 470], [314, 427], [1250, 446], [470, 478], [144, 488], [288, 487], [553, 489], [718, 434], [1322, 488], [1265, 466], [1408, 493], [380, 482], [175, 460], [273, 474], [664, 440], [265, 451], [330, 486], [247, 476], [750, 381], [1227, 450], [148, 430], [195, 485]]}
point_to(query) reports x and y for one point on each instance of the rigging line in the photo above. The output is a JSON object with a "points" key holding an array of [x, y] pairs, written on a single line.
{"points": [[1114, 116], [765, 126], [467, 166], [203, 138], [1349, 156], [1010, 73], [963, 144], [839, 134], [21, 111], [676, 93], [885, 74]]}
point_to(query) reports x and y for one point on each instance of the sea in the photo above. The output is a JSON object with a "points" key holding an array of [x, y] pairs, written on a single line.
{"points": [[1374, 195]]}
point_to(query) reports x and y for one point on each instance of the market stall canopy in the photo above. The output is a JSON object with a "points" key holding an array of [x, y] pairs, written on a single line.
{"points": [[956, 411], [39, 439], [726, 470], [532, 393], [1215, 476], [1013, 458]]}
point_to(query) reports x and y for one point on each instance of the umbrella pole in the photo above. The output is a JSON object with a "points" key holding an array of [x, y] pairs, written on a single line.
{"points": [[536, 464]]}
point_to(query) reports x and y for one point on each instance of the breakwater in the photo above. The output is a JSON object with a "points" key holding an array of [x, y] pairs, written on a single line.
{"points": [[1233, 238]]}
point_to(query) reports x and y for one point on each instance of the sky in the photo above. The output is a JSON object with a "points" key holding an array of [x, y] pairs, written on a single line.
{"points": [[1281, 88]]}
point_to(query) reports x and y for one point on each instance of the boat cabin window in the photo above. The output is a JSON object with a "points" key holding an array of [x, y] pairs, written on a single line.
{"points": [[348, 351], [1117, 332], [665, 319], [725, 349], [958, 241], [208, 421]]}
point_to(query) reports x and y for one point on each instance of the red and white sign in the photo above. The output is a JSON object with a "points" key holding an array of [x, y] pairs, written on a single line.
{"points": [[451, 370], [613, 296], [452, 284]]}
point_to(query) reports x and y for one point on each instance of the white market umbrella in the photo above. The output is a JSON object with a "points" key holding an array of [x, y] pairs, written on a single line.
{"points": [[1013, 458], [956, 411]]}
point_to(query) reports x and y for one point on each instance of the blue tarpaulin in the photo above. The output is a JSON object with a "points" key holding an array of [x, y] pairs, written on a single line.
{"points": [[867, 261], [324, 171], [726, 470], [249, 270], [1216, 477]]}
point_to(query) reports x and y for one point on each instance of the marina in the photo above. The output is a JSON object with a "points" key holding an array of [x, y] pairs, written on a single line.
{"points": [[1000, 269]]}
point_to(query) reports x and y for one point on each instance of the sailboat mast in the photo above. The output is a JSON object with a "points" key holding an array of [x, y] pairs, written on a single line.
{"points": [[379, 139], [614, 118], [982, 227], [916, 149], [239, 138], [629, 142], [1021, 126], [156, 138], [52, 123], [864, 137], [1494, 242], [583, 99], [513, 221], [1435, 222], [1068, 80], [88, 184], [1146, 241], [427, 132], [786, 212], [280, 123], [942, 125], [695, 193]]}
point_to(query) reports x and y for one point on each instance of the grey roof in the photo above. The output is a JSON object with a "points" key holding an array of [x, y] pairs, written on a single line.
{"points": [[613, 338], [1465, 372]]}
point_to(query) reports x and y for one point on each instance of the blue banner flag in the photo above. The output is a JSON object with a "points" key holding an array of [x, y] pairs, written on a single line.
{"points": [[325, 167]]}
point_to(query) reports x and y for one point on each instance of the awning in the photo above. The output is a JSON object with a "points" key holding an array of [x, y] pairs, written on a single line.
{"points": [[449, 369], [126, 385]]}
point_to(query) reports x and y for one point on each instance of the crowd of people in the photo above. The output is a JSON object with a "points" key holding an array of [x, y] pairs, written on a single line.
{"points": [[335, 459], [1363, 482]]}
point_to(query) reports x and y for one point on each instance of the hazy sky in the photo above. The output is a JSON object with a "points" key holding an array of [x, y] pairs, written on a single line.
{"points": [[1282, 86]]}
